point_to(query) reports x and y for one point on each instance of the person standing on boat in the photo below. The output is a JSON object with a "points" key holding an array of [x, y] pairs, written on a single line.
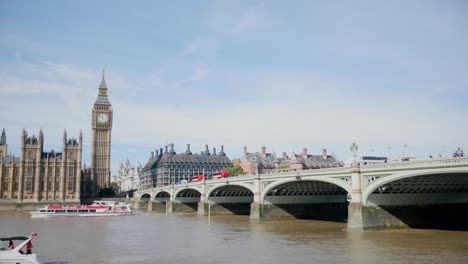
{"points": [[11, 244], [29, 247]]}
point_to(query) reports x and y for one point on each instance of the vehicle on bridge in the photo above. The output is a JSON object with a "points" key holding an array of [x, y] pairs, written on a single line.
{"points": [[367, 160], [197, 178], [181, 182], [404, 159], [220, 174]]}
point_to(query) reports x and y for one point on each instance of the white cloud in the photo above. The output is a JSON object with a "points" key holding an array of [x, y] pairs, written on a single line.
{"points": [[191, 48], [246, 22], [277, 109], [199, 74]]}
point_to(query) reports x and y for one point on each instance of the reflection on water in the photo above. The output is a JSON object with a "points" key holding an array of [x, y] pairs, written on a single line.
{"points": [[156, 238]]}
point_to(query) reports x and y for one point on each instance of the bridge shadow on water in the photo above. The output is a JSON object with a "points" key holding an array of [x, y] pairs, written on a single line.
{"points": [[440, 216], [231, 208], [333, 212], [186, 207]]}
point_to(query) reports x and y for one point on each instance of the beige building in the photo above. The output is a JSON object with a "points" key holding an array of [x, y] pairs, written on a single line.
{"points": [[38, 176], [101, 124], [263, 162]]}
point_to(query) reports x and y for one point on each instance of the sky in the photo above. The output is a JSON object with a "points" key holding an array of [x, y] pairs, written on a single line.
{"points": [[391, 76]]}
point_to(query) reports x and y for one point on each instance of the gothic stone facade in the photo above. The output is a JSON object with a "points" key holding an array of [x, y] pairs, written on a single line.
{"points": [[101, 124], [38, 176], [168, 167], [128, 177]]}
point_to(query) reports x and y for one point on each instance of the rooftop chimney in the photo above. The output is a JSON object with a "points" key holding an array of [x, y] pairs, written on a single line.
{"points": [[324, 153], [152, 154], [165, 149], [188, 152], [207, 151], [214, 151], [284, 155], [172, 148], [221, 153], [245, 151], [304, 152], [156, 153], [264, 151]]}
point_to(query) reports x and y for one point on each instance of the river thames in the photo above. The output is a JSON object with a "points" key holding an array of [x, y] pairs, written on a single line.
{"points": [[156, 238]]}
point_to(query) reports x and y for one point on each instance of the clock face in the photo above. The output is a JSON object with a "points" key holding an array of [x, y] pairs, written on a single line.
{"points": [[102, 118]]}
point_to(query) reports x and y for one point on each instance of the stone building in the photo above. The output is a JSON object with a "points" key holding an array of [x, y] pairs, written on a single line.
{"points": [[128, 177], [168, 167], [263, 162], [101, 127], [38, 176]]}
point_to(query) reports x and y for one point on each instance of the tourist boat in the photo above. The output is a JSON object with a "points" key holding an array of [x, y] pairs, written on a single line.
{"points": [[98, 208], [16, 254]]}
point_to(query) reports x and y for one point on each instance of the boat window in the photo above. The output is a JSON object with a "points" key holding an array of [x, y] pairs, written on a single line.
{"points": [[83, 211], [50, 211], [60, 211], [71, 211], [92, 210], [43, 211]]}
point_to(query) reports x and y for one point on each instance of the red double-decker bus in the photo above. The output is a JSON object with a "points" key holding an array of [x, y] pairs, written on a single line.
{"points": [[197, 178], [220, 174]]}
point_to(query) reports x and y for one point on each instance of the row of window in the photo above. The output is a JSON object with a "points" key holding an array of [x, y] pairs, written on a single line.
{"points": [[68, 211]]}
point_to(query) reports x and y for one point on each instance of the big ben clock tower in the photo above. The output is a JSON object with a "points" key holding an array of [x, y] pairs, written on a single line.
{"points": [[101, 124]]}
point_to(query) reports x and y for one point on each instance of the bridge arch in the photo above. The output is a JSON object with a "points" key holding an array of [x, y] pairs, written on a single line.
{"points": [[306, 198], [234, 186], [187, 192], [383, 181], [230, 198], [145, 197], [162, 196], [343, 185]]}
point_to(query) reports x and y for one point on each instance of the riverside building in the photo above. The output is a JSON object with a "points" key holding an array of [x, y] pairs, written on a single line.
{"points": [[263, 162], [169, 167], [38, 176], [128, 176]]}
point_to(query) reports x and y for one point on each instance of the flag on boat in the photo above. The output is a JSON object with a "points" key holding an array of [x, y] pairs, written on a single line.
{"points": [[34, 234]]}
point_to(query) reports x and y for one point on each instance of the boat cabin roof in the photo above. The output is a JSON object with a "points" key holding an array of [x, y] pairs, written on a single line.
{"points": [[14, 238]]}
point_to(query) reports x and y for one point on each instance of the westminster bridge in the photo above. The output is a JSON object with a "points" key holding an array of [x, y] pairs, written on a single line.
{"points": [[424, 193]]}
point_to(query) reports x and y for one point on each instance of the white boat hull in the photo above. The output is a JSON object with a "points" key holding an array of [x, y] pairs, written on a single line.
{"points": [[43, 215], [10, 256]]}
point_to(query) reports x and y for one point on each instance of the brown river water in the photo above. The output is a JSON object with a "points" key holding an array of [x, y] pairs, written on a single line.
{"points": [[181, 239]]}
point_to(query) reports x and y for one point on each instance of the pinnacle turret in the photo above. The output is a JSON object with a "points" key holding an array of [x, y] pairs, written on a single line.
{"points": [[103, 82], [3, 138]]}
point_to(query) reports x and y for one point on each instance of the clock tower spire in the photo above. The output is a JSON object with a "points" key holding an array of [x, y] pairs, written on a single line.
{"points": [[101, 125]]}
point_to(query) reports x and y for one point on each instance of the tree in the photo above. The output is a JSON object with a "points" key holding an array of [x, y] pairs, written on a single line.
{"points": [[234, 171], [115, 186], [106, 192]]}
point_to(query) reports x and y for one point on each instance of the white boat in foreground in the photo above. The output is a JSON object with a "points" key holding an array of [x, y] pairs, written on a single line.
{"points": [[14, 255], [98, 208]]}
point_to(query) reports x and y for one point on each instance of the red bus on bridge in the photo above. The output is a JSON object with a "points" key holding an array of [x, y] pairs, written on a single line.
{"points": [[220, 174], [196, 178]]}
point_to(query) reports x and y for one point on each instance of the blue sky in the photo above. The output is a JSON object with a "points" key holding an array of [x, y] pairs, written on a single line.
{"points": [[284, 75]]}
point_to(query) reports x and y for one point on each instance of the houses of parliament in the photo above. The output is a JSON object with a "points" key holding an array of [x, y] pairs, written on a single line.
{"points": [[37, 176]]}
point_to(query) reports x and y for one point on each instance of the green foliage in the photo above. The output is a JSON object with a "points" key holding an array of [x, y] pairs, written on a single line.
{"points": [[234, 171], [115, 186], [106, 192]]}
